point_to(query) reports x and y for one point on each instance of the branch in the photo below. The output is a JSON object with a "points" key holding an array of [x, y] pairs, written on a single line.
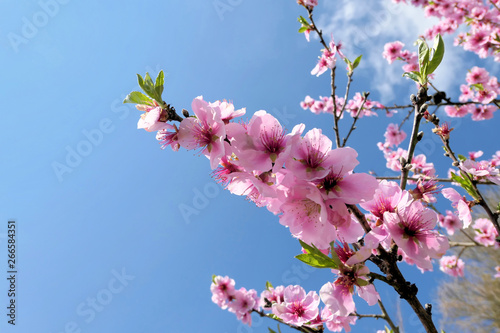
{"points": [[353, 126], [304, 329], [456, 244], [439, 180], [387, 263], [388, 319], [335, 116], [418, 103]]}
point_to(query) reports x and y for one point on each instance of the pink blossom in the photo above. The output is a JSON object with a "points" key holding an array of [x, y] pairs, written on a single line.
{"points": [[261, 145], [305, 212], [153, 120], [477, 75], [495, 159], [482, 112], [454, 111], [227, 110], [307, 103], [452, 266], [486, 233], [167, 138], [482, 170], [474, 155], [460, 204], [411, 227], [340, 183], [392, 51], [310, 156], [271, 296], [450, 222], [386, 199], [206, 131], [337, 323], [297, 307], [338, 296], [308, 3], [393, 135], [243, 303], [223, 291]]}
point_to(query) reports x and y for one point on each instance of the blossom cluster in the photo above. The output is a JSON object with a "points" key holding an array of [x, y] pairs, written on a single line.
{"points": [[310, 186], [481, 17], [290, 304], [358, 106], [241, 302]]}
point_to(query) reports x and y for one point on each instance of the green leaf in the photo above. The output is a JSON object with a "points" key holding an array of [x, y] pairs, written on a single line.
{"points": [[160, 80], [415, 76], [149, 88], [465, 183], [478, 86], [314, 260], [140, 80], [437, 57], [356, 62], [315, 257], [461, 157], [137, 97], [468, 186], [303, 29], [271, 331], [302, 20], [269, 285], [458, 179], [423, 57], [213, 278]]}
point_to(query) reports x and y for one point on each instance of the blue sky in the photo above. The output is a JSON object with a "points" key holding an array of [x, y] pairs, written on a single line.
{"points": [[109, 227]]}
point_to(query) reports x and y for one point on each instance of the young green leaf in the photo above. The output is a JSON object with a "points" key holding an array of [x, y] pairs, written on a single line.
{"points": [[315, 258], [271, 331], [438, 54], [478, 86], [423, 58], [137, 97], [269, 285], [160, 80], [415, 76], [140, 80], [317, 261], [356, 62], [303, 29], [302, 20]]}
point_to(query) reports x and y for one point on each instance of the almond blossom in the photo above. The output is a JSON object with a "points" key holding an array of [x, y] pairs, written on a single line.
{"points": [[206, 131], [452, 265], [486, 233], [458, 202], [297, 308], [338, 296], [412, 228]]}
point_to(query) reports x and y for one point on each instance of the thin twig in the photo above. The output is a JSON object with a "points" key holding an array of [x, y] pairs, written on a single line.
{"points": [[353, 126], [439, 180]]}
